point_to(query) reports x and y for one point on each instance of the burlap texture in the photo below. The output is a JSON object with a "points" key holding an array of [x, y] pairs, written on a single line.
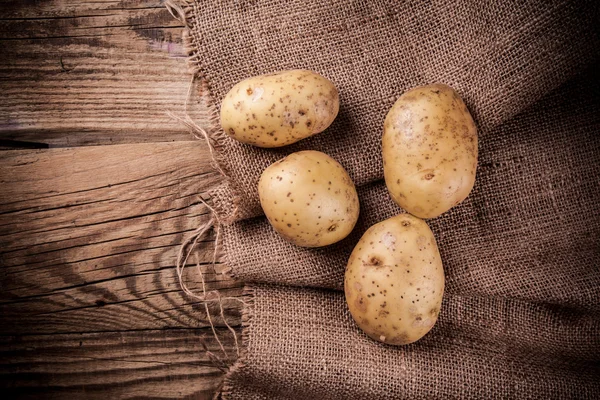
{"points": [[521, 313], [534, 208], [303, 344], [500, 56], [521, 316]]}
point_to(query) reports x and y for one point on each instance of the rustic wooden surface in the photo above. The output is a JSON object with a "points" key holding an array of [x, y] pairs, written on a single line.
{"points": [[99, 188]]}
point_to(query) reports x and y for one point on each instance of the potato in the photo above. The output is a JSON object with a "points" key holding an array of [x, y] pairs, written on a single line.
{"points": [[429, 150], [309, 199], [394, 280], [279, 109]]}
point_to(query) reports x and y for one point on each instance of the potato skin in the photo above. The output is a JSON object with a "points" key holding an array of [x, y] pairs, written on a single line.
{"points": [[309, 199], [279, 109], [394, 280], [429, 150]]}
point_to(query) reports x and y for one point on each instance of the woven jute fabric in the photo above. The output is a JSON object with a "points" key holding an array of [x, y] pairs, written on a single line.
{"points": [[501, 56], [303, 344], [521, 314]]}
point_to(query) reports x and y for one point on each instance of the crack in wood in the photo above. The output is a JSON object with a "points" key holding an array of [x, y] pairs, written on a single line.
{"points": [[90, 300]]}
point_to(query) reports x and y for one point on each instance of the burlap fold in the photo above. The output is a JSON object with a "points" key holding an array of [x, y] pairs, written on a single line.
{"points": [[501, 56], [303, 344], [521, 316], [534, 208]]}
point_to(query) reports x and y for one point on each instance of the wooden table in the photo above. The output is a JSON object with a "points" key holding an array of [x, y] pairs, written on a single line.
{"points": [[99, 187]]}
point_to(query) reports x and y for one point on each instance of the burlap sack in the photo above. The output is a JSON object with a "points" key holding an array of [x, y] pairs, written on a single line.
{"points": [[303, 344], [521, 312]]}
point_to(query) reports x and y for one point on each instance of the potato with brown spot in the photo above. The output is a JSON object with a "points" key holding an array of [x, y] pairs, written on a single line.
{"points": [[278, 109], [309, 199], [429, 150], [394, 280]]}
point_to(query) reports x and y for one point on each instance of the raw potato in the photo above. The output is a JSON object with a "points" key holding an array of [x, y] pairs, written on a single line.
{"points": [[279, 109], [309, 199], [429, 150], [395, 280]]}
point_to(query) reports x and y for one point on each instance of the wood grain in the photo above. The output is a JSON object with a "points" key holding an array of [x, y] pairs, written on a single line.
{"points": [[82, 73], [92, 234], [112, 365], [90, 302], [89, 239]]}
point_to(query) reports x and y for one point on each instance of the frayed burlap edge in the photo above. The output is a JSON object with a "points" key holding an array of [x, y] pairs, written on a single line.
{"points": [[247, 316], [224, 198]]}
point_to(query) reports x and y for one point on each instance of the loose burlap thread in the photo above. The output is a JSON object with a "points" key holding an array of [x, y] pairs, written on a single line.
{"points": [[521, 311]]}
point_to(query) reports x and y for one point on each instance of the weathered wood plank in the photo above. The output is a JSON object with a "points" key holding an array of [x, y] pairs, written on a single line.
{"points": [[156, 363], [83, 73], [89, 238]]}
